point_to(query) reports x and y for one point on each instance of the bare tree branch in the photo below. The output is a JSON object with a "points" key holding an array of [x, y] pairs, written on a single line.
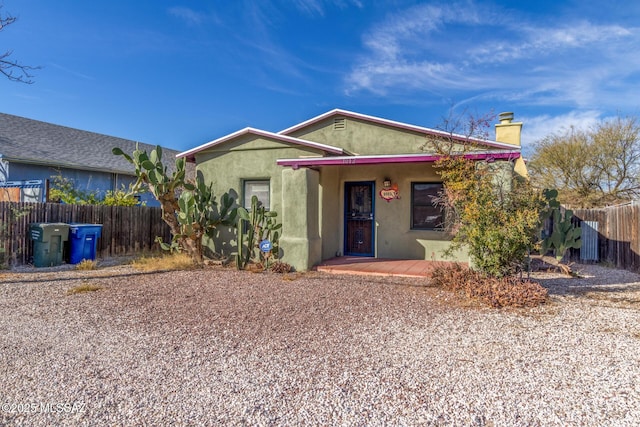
{"points": [[12, 69]]}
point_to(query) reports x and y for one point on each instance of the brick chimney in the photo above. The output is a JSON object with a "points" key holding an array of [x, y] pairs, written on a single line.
{"points": [[507, 130]]}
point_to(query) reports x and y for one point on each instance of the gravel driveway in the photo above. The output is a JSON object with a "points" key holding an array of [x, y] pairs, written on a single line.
{"points": [[221, 347]]}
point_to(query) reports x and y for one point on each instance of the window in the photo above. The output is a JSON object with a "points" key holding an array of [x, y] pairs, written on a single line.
{"points": [[425, 215], [258, 188]]}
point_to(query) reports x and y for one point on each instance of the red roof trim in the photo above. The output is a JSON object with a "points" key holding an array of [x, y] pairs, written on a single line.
{"points": [[402, 158]]}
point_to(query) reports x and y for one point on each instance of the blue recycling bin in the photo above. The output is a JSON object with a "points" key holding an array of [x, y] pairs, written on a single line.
{"points": [[83, 241]]}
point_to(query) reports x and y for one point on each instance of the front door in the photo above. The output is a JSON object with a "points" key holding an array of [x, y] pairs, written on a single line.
{"points": [[358, 218]]}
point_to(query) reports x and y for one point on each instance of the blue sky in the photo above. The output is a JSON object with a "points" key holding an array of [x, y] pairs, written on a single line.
{"points": [[181, 73]]}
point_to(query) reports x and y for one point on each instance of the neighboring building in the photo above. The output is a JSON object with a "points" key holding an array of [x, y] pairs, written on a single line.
{"points": [[32, 152], [345, 183]]}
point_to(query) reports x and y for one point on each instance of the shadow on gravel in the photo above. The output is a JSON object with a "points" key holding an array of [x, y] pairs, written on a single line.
{"points": [[594, 282], [69, 275]]}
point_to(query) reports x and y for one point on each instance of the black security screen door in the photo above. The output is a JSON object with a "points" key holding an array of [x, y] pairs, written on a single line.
{"points": [[358, 218]]}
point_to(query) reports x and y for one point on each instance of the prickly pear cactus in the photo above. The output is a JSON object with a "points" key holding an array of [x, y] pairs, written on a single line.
{"points": [[190, 216], [253, 227], [565, 235]]}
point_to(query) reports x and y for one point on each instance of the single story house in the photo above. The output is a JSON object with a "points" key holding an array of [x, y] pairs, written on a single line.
{"points": [[32, 152], [345, 183]]}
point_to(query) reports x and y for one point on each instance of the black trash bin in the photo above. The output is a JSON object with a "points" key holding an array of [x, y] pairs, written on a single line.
{"points": [[83, 241], [48, 240]]}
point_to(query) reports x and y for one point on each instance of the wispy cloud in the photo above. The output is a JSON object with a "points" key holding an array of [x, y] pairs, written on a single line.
{"points": [[319, 7], [274, 60], [188, 15], [485, 51], [74, 73], [538, 127]]}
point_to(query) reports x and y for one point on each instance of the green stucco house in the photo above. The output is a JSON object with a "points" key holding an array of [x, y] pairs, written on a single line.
{"points": [[346, 184]]}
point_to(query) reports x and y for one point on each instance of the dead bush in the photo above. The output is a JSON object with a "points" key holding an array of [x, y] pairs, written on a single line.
{"points": [[497, 292], [280, 267]]}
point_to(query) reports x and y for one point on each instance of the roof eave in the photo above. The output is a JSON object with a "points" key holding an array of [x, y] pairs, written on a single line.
{"points": [[399, 125], [190, 154], [66, 165], [396, 158]]}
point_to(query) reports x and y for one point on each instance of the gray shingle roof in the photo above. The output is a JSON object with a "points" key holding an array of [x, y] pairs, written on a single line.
{"points": [[32, 141]]}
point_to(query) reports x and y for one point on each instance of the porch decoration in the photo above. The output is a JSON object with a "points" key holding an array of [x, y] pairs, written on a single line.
{"points": [[389, 192]]}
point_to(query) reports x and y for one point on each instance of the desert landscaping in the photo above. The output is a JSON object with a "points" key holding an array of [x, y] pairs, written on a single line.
{"points": [[216, 346]]}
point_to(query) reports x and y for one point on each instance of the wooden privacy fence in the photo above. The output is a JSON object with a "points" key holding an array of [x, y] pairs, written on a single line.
{"points": [[126, 230], [610, 235]]}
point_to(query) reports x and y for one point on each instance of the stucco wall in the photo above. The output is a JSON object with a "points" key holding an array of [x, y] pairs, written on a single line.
{"points": [[364, 138], [253, 158], [394, 237], [248, 158]]}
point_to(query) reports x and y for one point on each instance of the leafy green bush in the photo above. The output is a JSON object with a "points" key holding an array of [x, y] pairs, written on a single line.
{"points": [[65, 190], [492, 213]]}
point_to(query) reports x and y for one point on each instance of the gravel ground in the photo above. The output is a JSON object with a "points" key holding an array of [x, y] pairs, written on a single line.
{"points": [[221, 347]]}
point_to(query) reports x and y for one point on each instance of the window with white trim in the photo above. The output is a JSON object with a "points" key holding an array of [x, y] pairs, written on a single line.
{"points": [[260, 189], [425, 213]]}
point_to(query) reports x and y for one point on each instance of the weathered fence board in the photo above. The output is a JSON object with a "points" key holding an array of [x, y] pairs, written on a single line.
{"points": [[618, 229], [126, 230]]}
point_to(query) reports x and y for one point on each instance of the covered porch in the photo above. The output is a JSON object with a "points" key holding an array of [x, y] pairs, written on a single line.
{"points": [[369, 266]]}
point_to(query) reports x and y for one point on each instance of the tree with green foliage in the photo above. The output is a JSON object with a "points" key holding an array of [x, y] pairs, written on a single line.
{"points": [[590, 168], [491, 212], [494, 214], [188, 208]]}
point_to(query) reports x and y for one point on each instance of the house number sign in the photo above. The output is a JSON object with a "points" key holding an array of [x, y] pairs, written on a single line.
{"points": [[390, 193]]}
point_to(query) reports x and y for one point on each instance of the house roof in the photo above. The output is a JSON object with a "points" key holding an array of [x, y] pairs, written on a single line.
{"points": [[35, 142], [189, 154], [393, 124], [391, 158]]}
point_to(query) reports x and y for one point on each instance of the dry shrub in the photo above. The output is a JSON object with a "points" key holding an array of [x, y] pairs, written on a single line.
{"points": [[175, 261], [86, 264], [85, 287], [496, 292], [280, 267], [276, 267]]}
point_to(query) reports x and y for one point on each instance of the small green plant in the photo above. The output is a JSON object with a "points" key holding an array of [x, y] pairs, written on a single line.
{"points": [[87, 264], [85, 287], [253, 227], [172, 247]]}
